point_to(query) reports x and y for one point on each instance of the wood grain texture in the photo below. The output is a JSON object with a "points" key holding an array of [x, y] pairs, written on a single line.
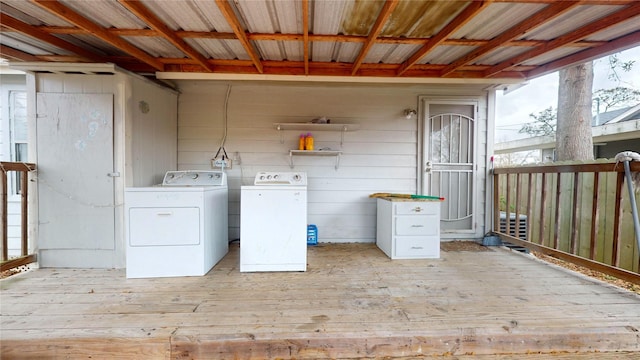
{"points": [[353, 302]]}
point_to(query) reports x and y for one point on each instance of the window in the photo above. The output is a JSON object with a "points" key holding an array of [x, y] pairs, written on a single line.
{"points": [[18, 133]]}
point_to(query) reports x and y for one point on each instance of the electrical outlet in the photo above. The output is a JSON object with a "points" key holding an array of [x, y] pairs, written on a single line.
{"points": [[217, 163]]}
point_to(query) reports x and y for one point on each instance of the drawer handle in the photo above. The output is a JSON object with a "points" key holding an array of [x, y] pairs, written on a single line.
{"points": [[417, 225], [417, 209], [417, 248], [164, 213]]}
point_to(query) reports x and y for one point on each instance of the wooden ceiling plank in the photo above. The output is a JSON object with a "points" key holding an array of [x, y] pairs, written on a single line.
{"points": [[569, 38], [545, 15], [619, 44], [464, 17], [305, 35], [41, 35], [228, 13], [11, 53], [73, 17], [142, 12], [384, 15]]}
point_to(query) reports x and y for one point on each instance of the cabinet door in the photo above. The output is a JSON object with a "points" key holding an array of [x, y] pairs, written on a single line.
{"points": [[75, 158]]}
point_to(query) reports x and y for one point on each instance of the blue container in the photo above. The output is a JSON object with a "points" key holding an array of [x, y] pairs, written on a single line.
{"points": [[312, 234]]}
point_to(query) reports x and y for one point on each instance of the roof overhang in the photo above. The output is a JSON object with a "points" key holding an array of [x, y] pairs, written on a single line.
{"points": [[497, 83]]}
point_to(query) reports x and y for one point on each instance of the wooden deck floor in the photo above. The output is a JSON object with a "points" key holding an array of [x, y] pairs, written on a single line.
{"points": [[353, 302]]}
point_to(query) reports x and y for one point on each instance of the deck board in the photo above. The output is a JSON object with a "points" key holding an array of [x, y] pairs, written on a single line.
{"points": [[353, 302]]}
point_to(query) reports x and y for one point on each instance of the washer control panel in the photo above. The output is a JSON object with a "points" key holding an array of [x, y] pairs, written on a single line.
{"points": [[281, 178], [195, 178]]}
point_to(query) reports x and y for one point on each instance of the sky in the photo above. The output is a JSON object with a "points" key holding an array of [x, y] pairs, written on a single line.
{"points": [[513, 109]]}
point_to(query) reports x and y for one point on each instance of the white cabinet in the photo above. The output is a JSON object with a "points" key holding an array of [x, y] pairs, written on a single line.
{"points": [[409, 228]]}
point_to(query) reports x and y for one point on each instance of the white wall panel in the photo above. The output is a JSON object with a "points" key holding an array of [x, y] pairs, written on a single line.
{"points": [[382, 156]]}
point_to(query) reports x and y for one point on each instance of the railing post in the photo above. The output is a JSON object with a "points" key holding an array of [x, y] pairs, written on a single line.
{"points": [[543, 205], [496, 202], [516, 222], [507, 211], [595, 216], [24, 177], [574, 216], [556, 232], [529, 232], [615, 254], [5, 222]]}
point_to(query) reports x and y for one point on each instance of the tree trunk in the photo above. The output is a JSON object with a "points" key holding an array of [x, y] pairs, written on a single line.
{"points": [[574, 139]]}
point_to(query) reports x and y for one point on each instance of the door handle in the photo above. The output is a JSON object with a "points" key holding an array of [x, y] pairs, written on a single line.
{"points": [[428, 166], [114, 174]]}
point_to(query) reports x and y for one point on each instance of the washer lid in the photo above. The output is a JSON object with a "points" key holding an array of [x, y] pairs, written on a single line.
{"points": [[277, 178], [195, 178]]}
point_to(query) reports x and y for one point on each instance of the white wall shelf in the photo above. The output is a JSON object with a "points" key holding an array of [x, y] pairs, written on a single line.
{"points": [[335, 153], [315, 127]]}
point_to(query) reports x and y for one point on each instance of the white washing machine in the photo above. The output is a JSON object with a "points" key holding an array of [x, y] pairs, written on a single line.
{"points": [[179, 228], [273, 223]]}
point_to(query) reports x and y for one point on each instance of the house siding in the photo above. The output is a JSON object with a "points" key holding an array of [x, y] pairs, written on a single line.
{"points": [[381, 156]]}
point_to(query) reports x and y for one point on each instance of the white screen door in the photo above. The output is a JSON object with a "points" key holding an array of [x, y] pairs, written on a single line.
{"points": [[75, 160], [449, 162]]}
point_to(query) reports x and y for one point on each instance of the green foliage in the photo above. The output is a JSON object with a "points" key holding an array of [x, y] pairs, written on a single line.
{"points": [[615, 64], [544, 123], [615, 98]]}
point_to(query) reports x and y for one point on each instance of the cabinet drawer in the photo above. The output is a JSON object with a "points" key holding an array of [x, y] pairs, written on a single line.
{"points": [[417, 225], [417, 208], [417, 247]]}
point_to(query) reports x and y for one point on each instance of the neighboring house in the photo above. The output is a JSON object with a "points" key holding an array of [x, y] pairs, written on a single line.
{"points": [[13, 144], [613, 132]]}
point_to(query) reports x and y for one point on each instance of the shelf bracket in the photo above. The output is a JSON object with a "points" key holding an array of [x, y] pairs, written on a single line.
{"points": [[344, 130], [281, 134]]}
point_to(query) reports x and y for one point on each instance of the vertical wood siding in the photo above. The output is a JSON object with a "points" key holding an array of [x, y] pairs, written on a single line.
{"points": [[379, 157]]}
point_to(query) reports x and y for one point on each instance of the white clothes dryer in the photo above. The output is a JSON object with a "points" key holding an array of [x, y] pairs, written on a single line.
{"points": [[179, 228]]}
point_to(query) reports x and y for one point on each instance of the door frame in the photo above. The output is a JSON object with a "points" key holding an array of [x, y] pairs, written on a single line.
{"points": [[423, 102]]}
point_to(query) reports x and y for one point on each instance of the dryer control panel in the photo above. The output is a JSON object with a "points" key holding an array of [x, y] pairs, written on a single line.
{"points": [[195, 178], [281, 178]]}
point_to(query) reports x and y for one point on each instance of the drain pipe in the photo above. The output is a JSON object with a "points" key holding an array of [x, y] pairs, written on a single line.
{"points": [[626, 157]]}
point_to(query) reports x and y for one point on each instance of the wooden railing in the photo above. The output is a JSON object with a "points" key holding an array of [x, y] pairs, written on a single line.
{"points": [[25, 257], [576, 212]]}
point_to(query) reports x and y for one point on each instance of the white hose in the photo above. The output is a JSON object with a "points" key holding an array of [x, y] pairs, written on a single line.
{"points": [[626, 157]]}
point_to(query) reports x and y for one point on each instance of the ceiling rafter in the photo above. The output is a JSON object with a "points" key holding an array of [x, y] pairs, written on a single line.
{"points": [[549, 12], [142, 12], [39, 34], [624, 42], [9, 52], [305, 35], [73, 17], [233, 21], [384, 15], [577, 34], [300, 37], [464, 17]]}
